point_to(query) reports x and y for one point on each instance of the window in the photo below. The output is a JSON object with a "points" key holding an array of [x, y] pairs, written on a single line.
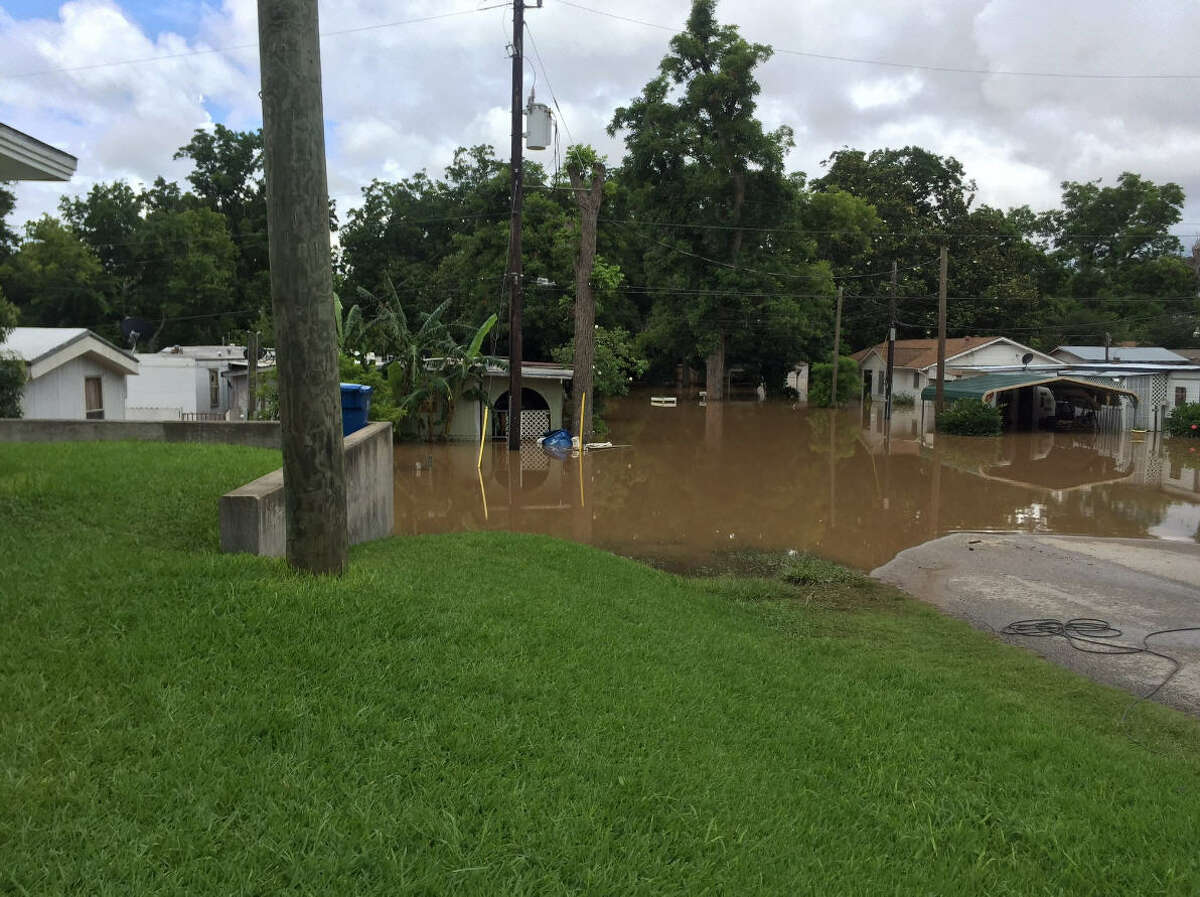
{"points": [[916, 379], [1180, 396], [214, 389], [93, 398]]}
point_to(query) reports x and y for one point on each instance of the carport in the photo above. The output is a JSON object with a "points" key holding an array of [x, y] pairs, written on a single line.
{"points": [[1074, 399]]}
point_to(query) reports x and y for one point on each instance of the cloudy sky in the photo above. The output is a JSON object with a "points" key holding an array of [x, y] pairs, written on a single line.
{"points": [[400, 95]]}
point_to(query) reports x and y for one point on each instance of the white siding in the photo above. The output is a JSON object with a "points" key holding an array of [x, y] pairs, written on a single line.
{"points": [[164, 388], [203, 398], [58, 395], [876, 368]]}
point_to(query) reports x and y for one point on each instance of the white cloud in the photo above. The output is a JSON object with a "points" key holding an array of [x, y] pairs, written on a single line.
{"points": [[400, 98]]}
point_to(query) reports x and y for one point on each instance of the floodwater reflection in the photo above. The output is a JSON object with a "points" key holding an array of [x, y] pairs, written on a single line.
{"points": [[698, 481]]}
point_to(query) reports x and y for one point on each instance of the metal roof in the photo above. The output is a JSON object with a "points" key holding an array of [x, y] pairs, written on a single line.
{"points": [[1124, 353], [986, 386], [31, 343]]}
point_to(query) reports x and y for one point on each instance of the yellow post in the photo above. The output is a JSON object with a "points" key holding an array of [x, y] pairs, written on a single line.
{"points": [[482, 493], [482, 437], [582, 406]]}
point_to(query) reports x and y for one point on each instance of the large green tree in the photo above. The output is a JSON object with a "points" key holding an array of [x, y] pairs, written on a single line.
{"points": [[710, 193], [227, 177], [1121, 269], [55, 279]]}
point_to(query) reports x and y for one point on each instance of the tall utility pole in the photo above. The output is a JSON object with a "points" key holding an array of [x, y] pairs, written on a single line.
{"points": [[940, 392], [891, 358], [310, 410], [837, 348], [514, 230]]}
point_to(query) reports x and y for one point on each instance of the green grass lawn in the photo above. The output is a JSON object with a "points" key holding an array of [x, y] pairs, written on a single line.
{"points": [[504, 714]]}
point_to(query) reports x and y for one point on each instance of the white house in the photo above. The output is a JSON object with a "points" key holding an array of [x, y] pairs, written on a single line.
{"points": [[915, 363], [1161, 379], [542, 398], [71, 373], [184, 383]]}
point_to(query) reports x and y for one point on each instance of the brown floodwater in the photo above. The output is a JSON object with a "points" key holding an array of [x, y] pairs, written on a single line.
{"points": [[692, 483]]}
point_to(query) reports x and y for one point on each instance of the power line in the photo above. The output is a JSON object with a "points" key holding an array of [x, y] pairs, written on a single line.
{"points": [[1102, 76], [231, 47], [549, 86]]}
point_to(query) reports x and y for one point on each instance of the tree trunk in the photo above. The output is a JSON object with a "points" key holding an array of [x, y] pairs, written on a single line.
{"points": [[715, 371], [716, 359], [588, 197]]}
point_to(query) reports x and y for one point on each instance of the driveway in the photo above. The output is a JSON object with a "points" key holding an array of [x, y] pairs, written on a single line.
{"points": [[1138, 586]]}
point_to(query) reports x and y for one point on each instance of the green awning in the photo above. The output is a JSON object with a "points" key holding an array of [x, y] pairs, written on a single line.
{"points": [[984, 387]]}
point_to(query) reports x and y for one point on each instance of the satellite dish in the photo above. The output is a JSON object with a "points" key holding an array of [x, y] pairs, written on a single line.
{"points": [[1026, 358], [133, 329]]}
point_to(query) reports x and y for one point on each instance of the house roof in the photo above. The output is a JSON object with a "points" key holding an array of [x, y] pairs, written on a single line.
{"points": [[985, 386], [206, 353], [535, 370], [1123, 353], [45, 348], [922, 353], [1192, 355], [23, 158]]}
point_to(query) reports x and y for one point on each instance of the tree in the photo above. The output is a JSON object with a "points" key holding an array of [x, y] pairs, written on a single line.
{"points": [[227, 177], [921, 200], [188, 272], [698, 161], [1119, 261], [108, 220], [8, 237], [55, 279], [586, 171]]}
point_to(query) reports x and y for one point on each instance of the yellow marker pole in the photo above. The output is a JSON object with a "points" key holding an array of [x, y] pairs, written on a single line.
{"points": [[582, 406], [482, 437], [482, 493]]}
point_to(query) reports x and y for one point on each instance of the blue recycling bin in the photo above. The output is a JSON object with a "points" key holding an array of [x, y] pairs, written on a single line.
{"points": [[356, 404]]}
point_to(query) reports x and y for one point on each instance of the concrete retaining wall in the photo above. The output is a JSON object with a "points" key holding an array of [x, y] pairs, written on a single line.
{"points": [[256, 434], [254, 519]]}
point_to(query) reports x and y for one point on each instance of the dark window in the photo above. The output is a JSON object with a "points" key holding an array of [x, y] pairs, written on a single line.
{"points": [[214, 389], [916, 379], [1180, 396], [93, 398]]}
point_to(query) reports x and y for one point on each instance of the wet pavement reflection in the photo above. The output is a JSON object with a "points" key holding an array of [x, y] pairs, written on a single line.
{"points": [[696, 482]]}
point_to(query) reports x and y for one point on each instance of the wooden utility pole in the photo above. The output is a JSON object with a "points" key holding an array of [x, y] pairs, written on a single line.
{"points": [[588, 196], [252, 338], [891, 358], [837, 348], [310, 410], [514, 230], [939, 398]]}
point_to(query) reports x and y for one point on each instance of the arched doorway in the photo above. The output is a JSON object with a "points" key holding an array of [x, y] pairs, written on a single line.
{"points": [[535, 414]]}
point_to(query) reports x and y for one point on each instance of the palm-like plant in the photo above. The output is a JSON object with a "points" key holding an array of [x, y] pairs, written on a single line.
{"points": [[427, 366]]}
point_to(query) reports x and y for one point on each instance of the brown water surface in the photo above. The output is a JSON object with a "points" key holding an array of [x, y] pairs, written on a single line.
{"points": [[694, 483]]}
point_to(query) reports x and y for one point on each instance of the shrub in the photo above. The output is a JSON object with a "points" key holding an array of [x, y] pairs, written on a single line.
{"points": [[12, 384], [849, 383], [903, 400], [1184, 420], [970, 417]]}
